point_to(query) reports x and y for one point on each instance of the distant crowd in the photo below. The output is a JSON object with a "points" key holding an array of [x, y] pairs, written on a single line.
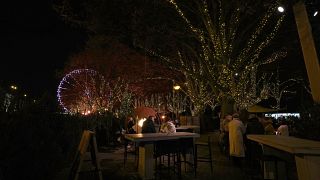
{"points": [[233, 133]]}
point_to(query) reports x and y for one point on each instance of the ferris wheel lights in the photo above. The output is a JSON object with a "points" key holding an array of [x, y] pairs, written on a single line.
{"points": [[83, 89]]}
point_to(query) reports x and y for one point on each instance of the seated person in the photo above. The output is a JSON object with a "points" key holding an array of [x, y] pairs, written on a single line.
{"points": [[148, 125], [283, 129], [268, 127], [168, 126]]}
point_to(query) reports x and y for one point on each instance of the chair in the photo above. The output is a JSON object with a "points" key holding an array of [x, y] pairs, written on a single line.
{"points": [[135, 152], [187, 147], [168, 148], [207, 158]]}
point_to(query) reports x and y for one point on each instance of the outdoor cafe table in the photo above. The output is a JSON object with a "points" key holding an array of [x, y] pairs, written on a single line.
{"points": [[306, 152], [146, 164]]}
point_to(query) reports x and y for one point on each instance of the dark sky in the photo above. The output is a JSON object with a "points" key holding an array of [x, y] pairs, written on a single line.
{"points": [[35, 43]]}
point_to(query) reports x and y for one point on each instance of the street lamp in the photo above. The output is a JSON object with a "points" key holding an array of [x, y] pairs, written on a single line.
{"points": [[176, 87], [281, 9], [13, 87], [175, 102]]}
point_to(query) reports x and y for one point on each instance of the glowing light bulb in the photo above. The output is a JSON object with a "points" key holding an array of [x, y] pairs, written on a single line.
{"points": [[315, 13], [280, 9], [176, 87]]}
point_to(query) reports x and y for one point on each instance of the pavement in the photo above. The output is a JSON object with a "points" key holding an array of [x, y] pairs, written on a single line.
{"points": [[112, 166]]}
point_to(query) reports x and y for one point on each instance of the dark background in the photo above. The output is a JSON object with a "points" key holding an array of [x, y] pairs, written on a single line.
{"points": [[35, 44]]}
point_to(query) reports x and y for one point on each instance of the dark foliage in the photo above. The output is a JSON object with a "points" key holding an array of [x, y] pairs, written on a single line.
{"points": [[309, 124], [37, 142]]}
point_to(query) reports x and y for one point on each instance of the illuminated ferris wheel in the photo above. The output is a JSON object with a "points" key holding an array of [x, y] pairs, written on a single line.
{"points": [[83, 91]]}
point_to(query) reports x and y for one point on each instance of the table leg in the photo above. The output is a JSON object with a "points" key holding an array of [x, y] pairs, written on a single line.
{"points": [[146, 164], [308, 167]]}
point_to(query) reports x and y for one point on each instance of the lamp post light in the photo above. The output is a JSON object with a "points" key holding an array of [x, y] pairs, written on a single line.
{"points": [[175, 106], [176, 87], [13, 87], [281, 9]]}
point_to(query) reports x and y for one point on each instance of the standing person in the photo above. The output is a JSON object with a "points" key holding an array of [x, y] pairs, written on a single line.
{"points": [[236, 145], [148, 125], [224, 133], [130, 126], [254, 126], [253, 149], [283, 129]]}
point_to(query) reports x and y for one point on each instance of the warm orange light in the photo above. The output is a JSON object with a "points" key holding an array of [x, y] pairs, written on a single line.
{"points": [[176, 87], [163, 116], [140, 122]]}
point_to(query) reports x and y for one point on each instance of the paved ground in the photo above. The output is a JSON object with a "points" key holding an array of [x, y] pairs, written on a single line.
{"points": [[223, 168]]}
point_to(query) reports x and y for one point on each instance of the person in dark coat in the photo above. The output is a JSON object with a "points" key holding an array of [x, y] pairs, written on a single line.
{"points": [[148, 125], [254, 126], [130, 125], [253, 151]]}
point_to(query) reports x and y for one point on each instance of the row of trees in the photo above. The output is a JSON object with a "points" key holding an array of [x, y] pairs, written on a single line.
{"points": [[219, 47]]}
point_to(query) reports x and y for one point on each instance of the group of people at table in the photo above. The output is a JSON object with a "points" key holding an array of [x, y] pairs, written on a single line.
{"points": [[233, 133], [167, 126]]}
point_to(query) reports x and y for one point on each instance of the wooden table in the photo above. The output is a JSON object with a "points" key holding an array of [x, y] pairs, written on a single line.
{"points": [[306, 152], [146, 161]]}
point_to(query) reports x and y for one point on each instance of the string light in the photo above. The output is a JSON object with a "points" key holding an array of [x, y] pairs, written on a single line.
{"points": [[231, 72], [85, 91]]}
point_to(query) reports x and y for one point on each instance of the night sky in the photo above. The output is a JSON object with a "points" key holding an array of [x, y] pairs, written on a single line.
{"points": [[35, 44]]}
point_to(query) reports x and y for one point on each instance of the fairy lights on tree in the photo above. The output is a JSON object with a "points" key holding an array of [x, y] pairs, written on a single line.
{"points": [[231, 47], [224, 50]]}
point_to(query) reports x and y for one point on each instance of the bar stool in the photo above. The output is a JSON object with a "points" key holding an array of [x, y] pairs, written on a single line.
{"points": [[169, 149], [187, 148], [208, 158], [135, 152]]}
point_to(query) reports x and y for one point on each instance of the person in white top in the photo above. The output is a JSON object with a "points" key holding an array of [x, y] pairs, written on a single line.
{"points": [[168, 126], [283, 129], [236, 145]]}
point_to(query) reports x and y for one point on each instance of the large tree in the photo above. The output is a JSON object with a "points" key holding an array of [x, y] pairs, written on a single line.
{"points": [[233, 36], [218, 45]]}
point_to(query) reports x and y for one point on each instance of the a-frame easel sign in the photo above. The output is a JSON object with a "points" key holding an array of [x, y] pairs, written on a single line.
{"points": [[88, 142]]}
